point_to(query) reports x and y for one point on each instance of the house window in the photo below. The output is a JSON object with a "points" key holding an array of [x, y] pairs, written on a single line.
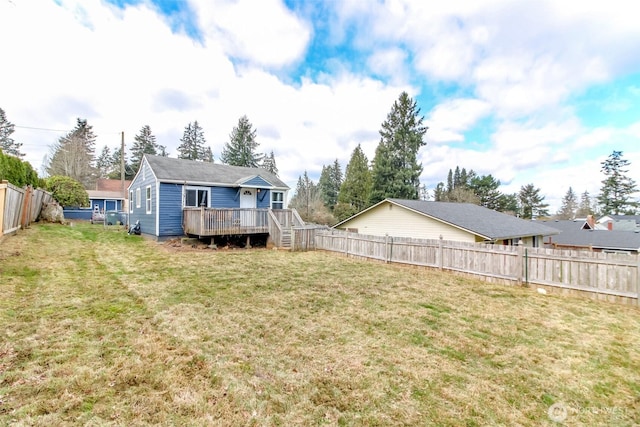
{"points": [[137, 197], [277, 200], [130, 201], [196, 196], [148, 199]]}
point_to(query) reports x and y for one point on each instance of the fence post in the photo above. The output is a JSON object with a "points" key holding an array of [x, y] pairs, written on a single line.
{"points": [[638, 280], [386, 247], [346, 243], [440, 253], [3, 193], [519, 264]]}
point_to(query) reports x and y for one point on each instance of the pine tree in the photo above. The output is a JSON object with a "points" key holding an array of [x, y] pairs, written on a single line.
{"points": [[569, 206], [242, 146], [7, 144], [355, 190], [531, 202], [308, 202], [144, 143], [617, 187], [104, 162], [584, 208], [74, 155], [269, 163], [329, 184], [485, 188], [192, 143], [396, 170]]}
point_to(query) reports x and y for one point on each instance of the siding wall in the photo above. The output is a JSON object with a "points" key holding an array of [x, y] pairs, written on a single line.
{"points": [[170, 210], [143, 179], [405, 223]]}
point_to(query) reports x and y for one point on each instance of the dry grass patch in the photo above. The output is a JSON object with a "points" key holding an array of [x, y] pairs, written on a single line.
{"points": [[102, 328]]}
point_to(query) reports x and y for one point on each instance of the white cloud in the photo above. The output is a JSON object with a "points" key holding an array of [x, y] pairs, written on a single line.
{"points": [[448, 121], [263, 33]]}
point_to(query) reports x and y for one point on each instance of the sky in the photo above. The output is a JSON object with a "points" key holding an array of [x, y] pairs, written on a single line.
{"points": [[538, 92]]}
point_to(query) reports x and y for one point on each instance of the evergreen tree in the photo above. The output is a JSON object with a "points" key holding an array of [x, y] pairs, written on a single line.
{"points": [[440, 193], [115, 166], [144, 143], [584, 208], [485, 188], [355, 190], [308, 202], [192, 143], [617, 187], [396, 170], [7, 144], [74, 155], [242, 146], [269, 163], [104, 163], [569, 205], [531, 202], [329, 184]]}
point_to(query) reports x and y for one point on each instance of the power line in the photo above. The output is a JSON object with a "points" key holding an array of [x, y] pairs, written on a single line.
{"points": [[60, 130]]}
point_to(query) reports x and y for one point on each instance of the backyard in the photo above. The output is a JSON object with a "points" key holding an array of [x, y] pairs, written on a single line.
{"points": [[102, 328]]}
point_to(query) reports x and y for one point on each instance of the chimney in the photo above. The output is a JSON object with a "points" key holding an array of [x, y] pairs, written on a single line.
{"points": [[591, 221], [609, 225]]}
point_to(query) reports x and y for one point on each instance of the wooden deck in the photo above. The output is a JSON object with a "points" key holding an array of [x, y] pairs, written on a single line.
{"points": [[207, 222]]}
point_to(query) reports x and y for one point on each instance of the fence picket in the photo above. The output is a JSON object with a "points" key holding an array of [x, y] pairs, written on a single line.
{"points": [[606, 276]]}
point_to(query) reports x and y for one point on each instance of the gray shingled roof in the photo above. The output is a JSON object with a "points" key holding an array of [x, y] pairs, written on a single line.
{"points": [[490, 224], [571, 234], [171, 169]]}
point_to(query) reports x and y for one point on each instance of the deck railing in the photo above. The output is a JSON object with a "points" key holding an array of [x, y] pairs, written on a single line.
{"points": [[224, 222], [278, 223]]}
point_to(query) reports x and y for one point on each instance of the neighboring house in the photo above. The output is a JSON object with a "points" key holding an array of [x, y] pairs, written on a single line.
{"points": [[464, 222], [620, 222], [576, 235], [175, 197], [108, 195]]}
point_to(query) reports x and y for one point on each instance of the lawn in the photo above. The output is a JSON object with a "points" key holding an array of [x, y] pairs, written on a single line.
{"points": [[102, 328]]}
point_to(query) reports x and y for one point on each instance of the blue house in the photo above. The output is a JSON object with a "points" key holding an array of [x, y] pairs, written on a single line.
{"points": [[175, 197]]}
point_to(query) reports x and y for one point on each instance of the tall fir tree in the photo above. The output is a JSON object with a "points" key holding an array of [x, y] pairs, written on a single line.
{"points": [[329, 184], [308, 202], [355, 191], [144, 143], [7, 144], [104, 162], [241, 150], [569, 205], [269, 163], [74, 155], [617, 187], [192, 143], [396, 170], [532, 202], [585, 206]]}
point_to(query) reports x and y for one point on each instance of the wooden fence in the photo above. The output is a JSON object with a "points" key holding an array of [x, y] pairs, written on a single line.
{"points": [[19, 207], [613, 277]]}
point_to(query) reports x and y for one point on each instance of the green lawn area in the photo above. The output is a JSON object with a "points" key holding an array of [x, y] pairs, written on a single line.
{"points": [[102, 328]]}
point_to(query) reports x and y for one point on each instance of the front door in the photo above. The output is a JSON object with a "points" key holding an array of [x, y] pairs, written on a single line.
{"points": [[248, 201]]}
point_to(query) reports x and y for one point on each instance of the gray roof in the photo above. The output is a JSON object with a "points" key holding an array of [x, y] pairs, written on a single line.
{"points": [[487, 223], [190, 171], [573, 235]]}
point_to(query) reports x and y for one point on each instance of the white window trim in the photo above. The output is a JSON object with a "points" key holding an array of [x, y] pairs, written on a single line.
{"points": [[130, 201], [271, 201], [193, 187], [148, 199], [138, 197]]}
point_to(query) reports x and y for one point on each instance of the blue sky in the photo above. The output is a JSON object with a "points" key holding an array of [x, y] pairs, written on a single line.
{"points": [[531, 92]]}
